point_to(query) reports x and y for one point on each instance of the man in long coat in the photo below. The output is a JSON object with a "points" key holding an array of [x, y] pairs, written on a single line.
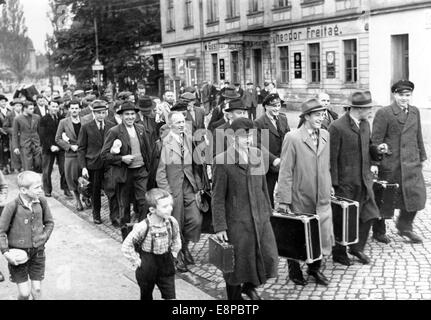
{"points": [[351, 156], [250, 100], [241, 214], [399, 126], [305, 181]]}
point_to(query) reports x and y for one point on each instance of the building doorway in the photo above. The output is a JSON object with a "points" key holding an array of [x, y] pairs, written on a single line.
{"points": [[400, 57], [257, 67]]}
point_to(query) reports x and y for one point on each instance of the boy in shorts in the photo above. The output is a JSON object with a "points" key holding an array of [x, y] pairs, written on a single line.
{"points": [[152, 246], [26, 223]]}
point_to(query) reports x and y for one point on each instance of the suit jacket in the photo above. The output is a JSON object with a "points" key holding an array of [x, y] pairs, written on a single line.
{"points": [[199, 121], [37, 110], [90, 143], [351, 155], [275, 137], [66, 126], [220, 139], [47, 131], [25, 131], [117, 169], [250, 98], [216, 115], [240, 92], [150, 126], [8, 122], [403, 135]]}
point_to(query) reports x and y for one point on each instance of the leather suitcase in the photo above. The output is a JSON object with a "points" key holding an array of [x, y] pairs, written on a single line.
{"points": [[345, 218], [297, 236], [221, 254], [386, 196]]}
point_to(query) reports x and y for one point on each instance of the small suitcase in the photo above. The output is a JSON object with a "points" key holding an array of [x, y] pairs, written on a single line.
{"points": [[345, 218], [221, 254], [297, 236], [386, 196]]}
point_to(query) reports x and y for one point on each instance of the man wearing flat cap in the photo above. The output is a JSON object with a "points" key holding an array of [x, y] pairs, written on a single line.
{"points": [[128, 164], [250, 100], [305, 182], [276, 126], [351, 155], [195, 115], [399, 126], [90, 143], [241, 210]]}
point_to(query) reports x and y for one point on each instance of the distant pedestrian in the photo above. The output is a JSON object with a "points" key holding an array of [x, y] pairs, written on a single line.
{"points": [[250, 100], [16, 162], [152, 246], [3, 198], [26, 224]]}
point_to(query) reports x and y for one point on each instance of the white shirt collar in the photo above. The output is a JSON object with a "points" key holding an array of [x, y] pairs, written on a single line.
{"points": [[355, 120]]}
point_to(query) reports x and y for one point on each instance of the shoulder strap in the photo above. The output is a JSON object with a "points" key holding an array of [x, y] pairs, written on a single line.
{"points": [[13, 213], [139, 244], [170, 232]]}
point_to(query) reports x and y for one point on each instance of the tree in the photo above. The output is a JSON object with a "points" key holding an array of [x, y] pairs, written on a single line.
{"points": [[123, 27], [15, 45]]}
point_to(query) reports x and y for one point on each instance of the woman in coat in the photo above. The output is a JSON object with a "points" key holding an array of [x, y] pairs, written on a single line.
{"points": [[241, 212], [305, 181]]}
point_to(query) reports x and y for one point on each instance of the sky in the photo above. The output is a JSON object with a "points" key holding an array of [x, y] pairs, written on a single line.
{"points": [[38, 24]]}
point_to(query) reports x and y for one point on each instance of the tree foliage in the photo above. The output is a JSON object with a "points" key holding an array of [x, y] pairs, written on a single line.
{"points": [[14, 42], [123, 28]]}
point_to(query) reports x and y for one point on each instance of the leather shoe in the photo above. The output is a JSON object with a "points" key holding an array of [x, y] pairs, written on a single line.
{"points": [[97, 221], [1, 277], [361, 256], [115, 224], [298, 280], [251, 293], [381, 238], [48, 195], [411, 235], [79, 206], [188, 258], [319, 277], [180, 264], [68, 194], [342, 259]]}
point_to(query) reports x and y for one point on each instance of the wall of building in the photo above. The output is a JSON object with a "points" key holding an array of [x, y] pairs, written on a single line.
{"points": [[415, 23]]}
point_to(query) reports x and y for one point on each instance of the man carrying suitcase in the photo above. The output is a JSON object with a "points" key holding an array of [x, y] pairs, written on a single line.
{"points": [[351, 156], [305, 181]]}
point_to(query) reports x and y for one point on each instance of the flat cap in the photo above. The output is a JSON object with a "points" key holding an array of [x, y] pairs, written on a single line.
{"points": [[270, 99], [188, 96], [402, 85], [99, 105], [241, 124], [180, 106]]}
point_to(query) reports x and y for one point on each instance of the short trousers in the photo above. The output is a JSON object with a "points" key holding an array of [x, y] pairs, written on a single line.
{"points": [[34, 268]]}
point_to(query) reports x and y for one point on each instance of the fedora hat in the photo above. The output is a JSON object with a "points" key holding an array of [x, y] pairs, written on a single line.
{"points": [[127, 106], [3, 97], [145, 103], [230, 93], [361, 99], [188, 97], [99, 105], [311, 105], [243, 124], [180, 106], [78, 92], [402, 85], [236, 104]]}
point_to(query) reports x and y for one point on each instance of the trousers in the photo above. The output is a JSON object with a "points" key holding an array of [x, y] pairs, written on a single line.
{"points": [[48, 160]]}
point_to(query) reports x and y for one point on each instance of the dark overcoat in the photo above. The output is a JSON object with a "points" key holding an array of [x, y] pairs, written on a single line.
{"points": [[403, 164], [351, 154], [241, 206]]}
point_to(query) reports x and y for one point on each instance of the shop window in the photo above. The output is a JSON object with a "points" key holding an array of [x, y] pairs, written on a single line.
{"points": [[214, 64], [188, 14], [171, 16], [212, 10], [281, 4], [284, 64], [350, 61], [232, 9], [234, 66], [314, 58], [254, 6], [173, 67]]}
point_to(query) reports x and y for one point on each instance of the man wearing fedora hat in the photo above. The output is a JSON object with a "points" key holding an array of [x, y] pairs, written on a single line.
{"points": [[399, 126], [90, 143], [228, 95], [147, 117], [351, 155], [128, 167], [276, 125], [4, 137], [305, 181]]}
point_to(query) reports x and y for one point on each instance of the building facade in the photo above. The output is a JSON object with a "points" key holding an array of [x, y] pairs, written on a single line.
{"points": [[305, 46]]}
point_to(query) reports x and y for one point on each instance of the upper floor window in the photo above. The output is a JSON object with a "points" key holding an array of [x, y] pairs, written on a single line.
{"points": [[232, 8], [212, 10], [188, 14], [255, 6], [281, 3], [171, 16], [350, 61]]}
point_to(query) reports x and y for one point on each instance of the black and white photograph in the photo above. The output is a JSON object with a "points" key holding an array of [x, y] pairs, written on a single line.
{"points": [[227, 152]]}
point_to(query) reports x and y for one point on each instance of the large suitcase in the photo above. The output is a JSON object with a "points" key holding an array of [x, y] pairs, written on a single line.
{"points": [[221, 254], [386, 197], [345, 218], [297, 236]]}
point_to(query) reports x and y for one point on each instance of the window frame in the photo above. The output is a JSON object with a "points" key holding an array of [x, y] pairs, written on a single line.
{"points": [[212, 11], [285, 4], [188, 14], [174, 67], [254, 6], [235, 72], [284, 60], [170, 16], [232, 11], [354, 72], [313, 58]]}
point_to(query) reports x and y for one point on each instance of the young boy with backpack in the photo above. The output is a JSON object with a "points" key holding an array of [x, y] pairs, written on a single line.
{"points": [[152, 246], [26, 224], [3, 197]]}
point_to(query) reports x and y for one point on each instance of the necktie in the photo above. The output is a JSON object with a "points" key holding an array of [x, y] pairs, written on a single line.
{"points": [[406, 110], [182, 145], [101, 128], [278, 126]]}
